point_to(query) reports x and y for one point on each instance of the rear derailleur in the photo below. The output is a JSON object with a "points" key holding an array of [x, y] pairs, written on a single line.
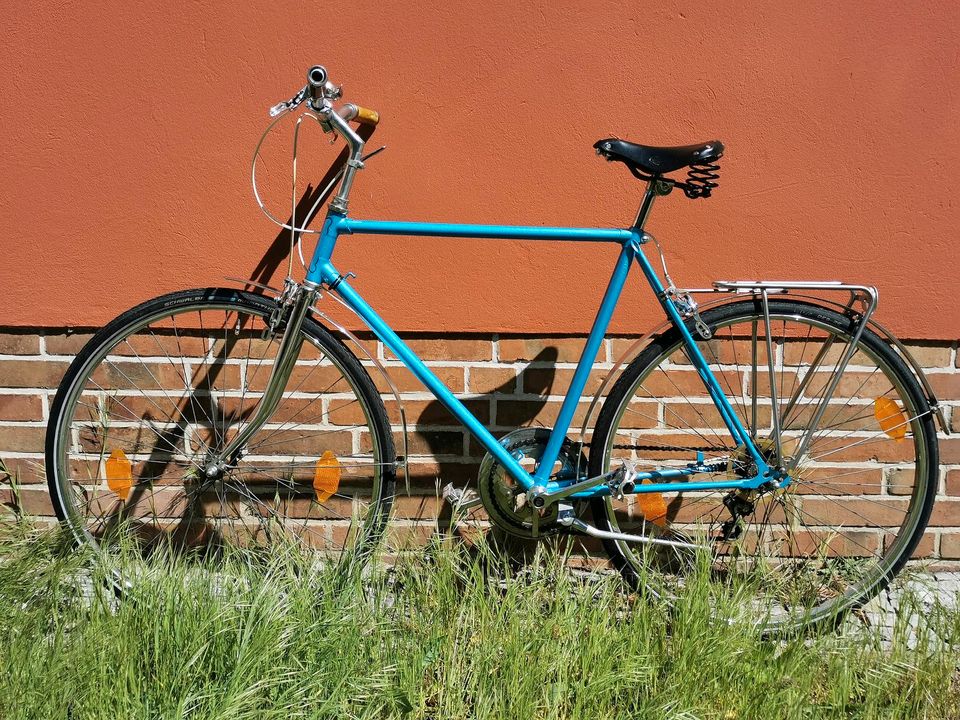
{"points": [[740, 504]]}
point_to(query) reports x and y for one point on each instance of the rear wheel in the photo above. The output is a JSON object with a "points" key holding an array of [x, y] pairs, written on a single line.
{"points": [[167, 384], [862, 488]]}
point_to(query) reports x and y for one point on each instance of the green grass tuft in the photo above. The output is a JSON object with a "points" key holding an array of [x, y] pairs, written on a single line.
{"points": [[437, 635]]}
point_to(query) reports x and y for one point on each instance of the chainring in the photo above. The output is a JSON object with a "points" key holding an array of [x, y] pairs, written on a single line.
{"points": [[505, 499]]}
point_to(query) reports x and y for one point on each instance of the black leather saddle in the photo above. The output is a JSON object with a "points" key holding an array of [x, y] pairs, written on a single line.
{"points": [[656, 161]]}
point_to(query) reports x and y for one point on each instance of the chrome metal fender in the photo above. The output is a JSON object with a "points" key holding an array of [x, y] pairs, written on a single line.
{"points": [[728, 292], [364, 352]]}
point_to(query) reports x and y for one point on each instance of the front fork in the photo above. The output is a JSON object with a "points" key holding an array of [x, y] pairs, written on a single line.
{"points": [[291, 311]]}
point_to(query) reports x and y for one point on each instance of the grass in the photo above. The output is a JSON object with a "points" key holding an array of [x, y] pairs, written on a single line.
{"points": [[440, 635]]}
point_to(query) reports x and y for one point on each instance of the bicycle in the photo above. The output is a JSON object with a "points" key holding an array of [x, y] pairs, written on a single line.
{"points": [[780, 433]]}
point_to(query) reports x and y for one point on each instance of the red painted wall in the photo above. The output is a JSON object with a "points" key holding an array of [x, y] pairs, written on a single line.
{"points": [[128, 130]]}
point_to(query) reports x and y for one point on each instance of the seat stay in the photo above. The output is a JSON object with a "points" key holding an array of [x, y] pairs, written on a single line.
{"points": [[729, 416]]}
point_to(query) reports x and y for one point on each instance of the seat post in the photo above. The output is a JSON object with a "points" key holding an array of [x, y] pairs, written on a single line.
{"points": [[646, 204]]}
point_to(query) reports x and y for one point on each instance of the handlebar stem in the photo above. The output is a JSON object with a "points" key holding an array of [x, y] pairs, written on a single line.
{"points": [[329, 116]]}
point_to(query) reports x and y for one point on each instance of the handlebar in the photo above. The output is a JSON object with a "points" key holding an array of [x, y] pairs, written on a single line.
{"points": [[320, 93], [317, 75], [322, 89], [362, 115]]}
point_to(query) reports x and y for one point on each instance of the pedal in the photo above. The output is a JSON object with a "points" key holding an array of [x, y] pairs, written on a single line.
{"points": [[460, 498]]}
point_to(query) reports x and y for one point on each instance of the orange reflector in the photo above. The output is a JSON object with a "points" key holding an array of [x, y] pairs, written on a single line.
{"points": [[119, 474], [892, 420], [326, 477], [653, 507]]}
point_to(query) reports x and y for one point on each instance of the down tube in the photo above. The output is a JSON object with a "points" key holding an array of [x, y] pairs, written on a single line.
{"points": [[433, 383]]}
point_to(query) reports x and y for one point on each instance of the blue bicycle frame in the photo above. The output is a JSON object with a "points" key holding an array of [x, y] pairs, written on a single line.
{"points": [[322, 272]]}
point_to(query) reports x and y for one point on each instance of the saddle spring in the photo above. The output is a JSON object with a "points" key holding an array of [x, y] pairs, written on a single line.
{"points": [[701, 180]]}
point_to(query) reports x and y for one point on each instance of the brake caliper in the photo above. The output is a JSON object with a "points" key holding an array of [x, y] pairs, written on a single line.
{"points": [[278, 316]]}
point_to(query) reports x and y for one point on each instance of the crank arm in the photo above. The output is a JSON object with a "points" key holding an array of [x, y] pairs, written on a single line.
{"points": [[460, 499]]}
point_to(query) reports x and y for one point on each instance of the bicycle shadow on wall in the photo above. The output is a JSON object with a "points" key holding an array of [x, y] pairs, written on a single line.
{"points": [[437, 431], [459, 470]]}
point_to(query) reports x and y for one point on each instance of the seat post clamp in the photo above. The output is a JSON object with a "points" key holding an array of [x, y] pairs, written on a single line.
{"points": [[663, 187]]}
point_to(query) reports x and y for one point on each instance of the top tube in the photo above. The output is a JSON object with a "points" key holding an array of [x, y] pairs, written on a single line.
{"points": [[504, 232]]}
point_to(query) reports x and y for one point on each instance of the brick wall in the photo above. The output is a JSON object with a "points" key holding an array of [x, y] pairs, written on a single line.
{"points": [[508, 381]]}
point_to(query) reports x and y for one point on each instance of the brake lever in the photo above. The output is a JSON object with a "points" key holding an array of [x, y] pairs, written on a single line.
{"points": [[290, 104]]}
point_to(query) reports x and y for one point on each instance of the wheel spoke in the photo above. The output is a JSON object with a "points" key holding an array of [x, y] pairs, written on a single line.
{"points": [[827, 538], [127, 402]]}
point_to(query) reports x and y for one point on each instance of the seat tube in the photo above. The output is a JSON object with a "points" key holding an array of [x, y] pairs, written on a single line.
{"points": [[590, 350]]}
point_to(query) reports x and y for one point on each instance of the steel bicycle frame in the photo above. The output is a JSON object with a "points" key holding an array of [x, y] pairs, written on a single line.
{"points": [[323, 273]]}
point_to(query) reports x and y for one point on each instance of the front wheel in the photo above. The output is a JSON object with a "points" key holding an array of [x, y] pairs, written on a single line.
{"points": [[157, 392], [862, 486]]}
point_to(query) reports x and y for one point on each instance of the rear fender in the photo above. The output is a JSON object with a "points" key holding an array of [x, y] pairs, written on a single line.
{"points": [[727, 297]]}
